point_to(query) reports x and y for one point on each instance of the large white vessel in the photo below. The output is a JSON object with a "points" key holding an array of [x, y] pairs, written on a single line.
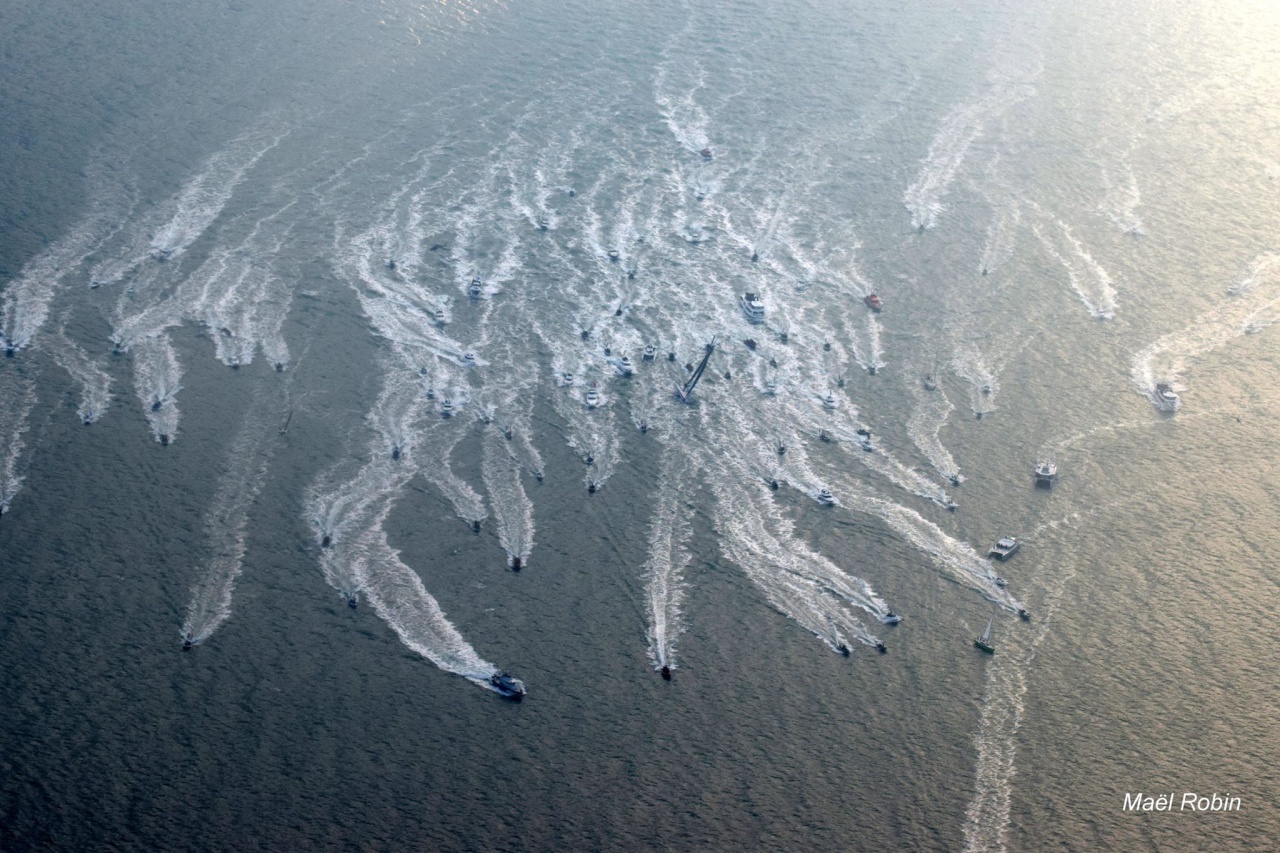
{"points": [[753, 307]]}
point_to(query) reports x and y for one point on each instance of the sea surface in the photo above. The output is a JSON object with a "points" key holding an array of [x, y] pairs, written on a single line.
{"points": [[316, 316]]}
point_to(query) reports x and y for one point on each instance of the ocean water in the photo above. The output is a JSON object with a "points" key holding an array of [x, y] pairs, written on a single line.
{"points": [[323, 304]]}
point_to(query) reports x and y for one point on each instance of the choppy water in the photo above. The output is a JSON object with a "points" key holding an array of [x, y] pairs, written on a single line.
{"points": [[343, 294]]}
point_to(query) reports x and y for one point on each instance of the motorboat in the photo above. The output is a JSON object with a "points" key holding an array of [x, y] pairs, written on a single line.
{"points": [[823, 435], [591, 487], [1167, 399], [755, 256], [1005, 547], [543, 224], [475, 288], [753, 307], [566, 378], [395, 452], [930, 384], [517, 564], [707, 153], [475, 525], [750, 343], [825, 497], [984, 642], [593, 397], [1046, 474], [986, 390], [431, 393], [446, 408], [326, 541], [666, 673], [352, 601], [1023, 614], [187, 642], [391, 264], [614, 256], [439, 317], [999, 581], [843, 649], [650, 352], [829, 402], [625, 366], [891, 618], [469, 359], [874, 302], [955, 479], [880, 647], [826, 346], [864, 439], [644, 424], [507, 685], [770, 387]]}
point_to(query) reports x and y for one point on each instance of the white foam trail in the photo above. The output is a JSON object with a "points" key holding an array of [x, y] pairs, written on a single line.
{"points": [[511, 506], [1122, 200], [949, 148], [998, 248], [157, 379], [929, 416], [401, 600], [25, 306], [664, 568], [203, 197], [95, 383], [1250, 309], [1263, 268], [226, 526], [17, 398], [1087, 277]]}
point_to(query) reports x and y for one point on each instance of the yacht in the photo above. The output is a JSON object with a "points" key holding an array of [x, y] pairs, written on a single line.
{"points": [[475, 289], [593, 398], [1167, 399], [874, 302], [625, 367], [507, 685], [864, 439], [446, 408], [770, 387], [825, 497], [753, 308], [439, 317], [543, 224], [829, 402], [1046, 474], [469, 359], [650, 352], [984, 642], [1004, 548]]}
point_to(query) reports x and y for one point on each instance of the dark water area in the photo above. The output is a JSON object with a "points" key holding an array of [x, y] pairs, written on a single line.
{"points": [[237, 250]]}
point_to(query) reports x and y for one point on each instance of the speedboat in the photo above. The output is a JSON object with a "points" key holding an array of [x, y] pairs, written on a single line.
{"points": [[507, 685], [843, 649], [864, 439], [625, 367], [984, 642], [475, 288], [752, 307], [1004, 548], [650, 352], [1046, 474], [517, 564], [891, 618], [446, 408], [666, 673], [873, 302], [592, 398], [829, 402], [881, 649], [1167, 399], [825, 497], [352, 601]]}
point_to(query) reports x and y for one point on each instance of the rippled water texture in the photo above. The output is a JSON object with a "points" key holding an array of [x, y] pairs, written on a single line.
{"points": [[681, 361]]}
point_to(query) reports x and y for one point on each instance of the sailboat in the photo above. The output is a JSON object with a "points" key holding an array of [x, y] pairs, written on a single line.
{"points": [[984, 642]]}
